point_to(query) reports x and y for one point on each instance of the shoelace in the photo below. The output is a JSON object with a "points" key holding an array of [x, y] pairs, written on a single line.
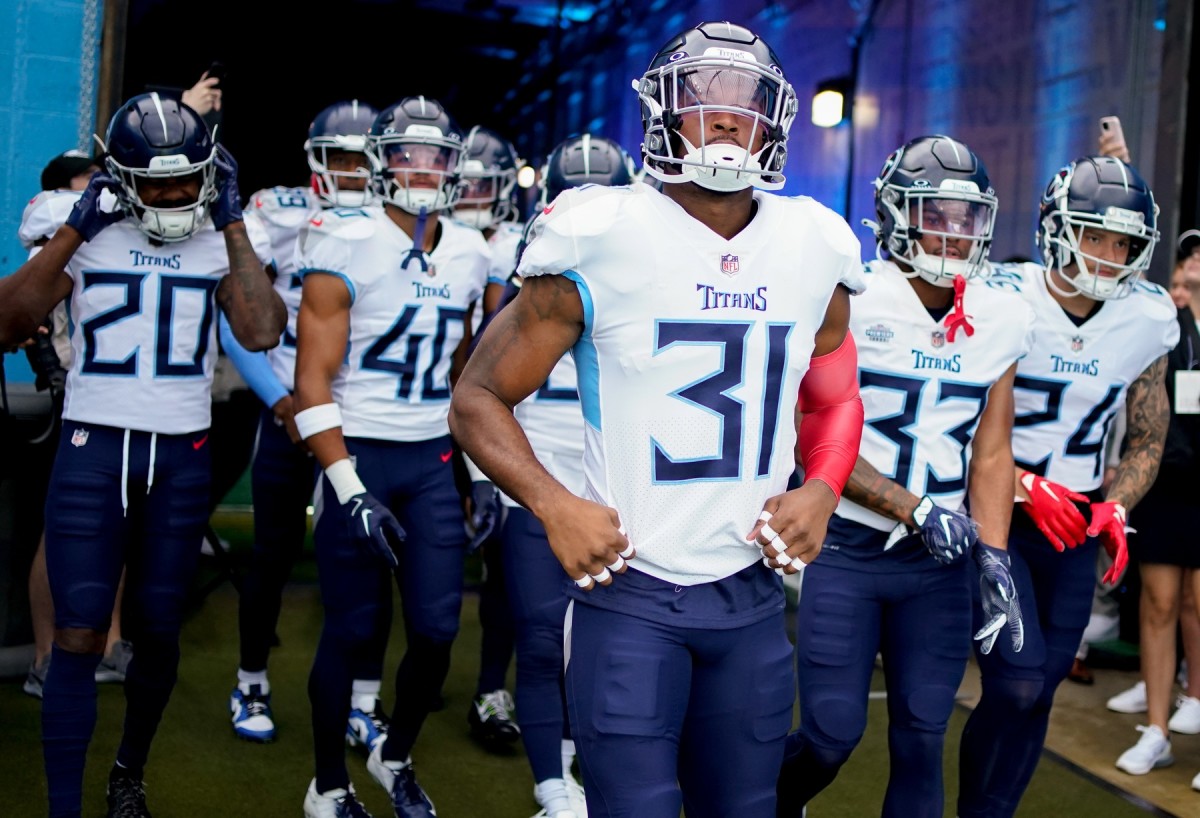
{"points": [[409, 791], [498, 703], [255, 705], [349, 807]]}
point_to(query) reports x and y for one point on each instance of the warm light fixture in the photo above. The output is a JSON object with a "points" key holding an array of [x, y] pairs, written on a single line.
{"points": [[526, 176], [831, 102]]}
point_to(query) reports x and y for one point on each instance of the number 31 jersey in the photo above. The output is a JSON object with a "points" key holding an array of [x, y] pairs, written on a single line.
{"points": [[922, 393], [408, 315], [690, 360], [1073, 383]]}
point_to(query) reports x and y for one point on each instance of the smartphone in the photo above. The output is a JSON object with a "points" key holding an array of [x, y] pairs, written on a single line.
{"points": [[1112, 125], [217, 70]]}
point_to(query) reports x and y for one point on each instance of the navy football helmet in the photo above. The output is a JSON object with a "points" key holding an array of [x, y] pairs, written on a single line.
{"points": [[416, 148], [585, 160], [1096, 193], [715, 70], [341, 127], [934, 186], [154, 138], [489, 174]]}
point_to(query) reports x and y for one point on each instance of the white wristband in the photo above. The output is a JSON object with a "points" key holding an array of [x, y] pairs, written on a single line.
{"points": [[475, 472], [344, 479], [317, 419]]}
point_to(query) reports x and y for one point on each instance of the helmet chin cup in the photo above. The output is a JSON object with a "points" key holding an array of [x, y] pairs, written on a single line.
{"points": [[940, 271], [412, 200], [720, 167], [480, 219], [349, 198], [169, 226]]}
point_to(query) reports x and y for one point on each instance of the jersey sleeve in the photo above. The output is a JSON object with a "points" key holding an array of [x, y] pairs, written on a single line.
{"points": [[843, 242], [327, 244], [44, 214], [285, 207], [260, 239], [559, 237]]}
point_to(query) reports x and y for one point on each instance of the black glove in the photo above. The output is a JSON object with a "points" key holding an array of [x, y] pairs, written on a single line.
{"points": [[1000, 605], [374, 528], [88, 217], [948, 535], [227, 207], [485, 511]]}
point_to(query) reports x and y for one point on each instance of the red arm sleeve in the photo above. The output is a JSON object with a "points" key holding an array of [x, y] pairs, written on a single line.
{"points": [[832, 425]]}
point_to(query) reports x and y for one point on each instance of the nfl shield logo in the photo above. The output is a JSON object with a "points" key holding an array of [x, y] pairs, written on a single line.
{"points": [[79, 438], [1077, 343], [729, 264], [938, 339]]}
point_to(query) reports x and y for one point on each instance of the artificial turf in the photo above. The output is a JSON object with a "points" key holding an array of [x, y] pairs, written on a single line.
{"points": [[198, 769]]}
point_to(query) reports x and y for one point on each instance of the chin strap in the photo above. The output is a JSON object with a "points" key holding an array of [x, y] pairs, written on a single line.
{"points": [[958, 317], [418, 246]]}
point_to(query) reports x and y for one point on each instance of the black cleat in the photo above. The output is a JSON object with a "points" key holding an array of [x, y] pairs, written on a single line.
{"points": [[127, 798], [492, 720]]}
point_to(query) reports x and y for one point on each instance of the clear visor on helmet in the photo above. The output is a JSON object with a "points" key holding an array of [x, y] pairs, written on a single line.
{"points": [[479, 190], [693, 93], [955, 219], [170, 198], [940, 235], [418, 175]]}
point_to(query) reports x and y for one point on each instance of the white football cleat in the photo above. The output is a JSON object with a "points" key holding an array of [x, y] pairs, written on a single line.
{"points": [[332, 804]]}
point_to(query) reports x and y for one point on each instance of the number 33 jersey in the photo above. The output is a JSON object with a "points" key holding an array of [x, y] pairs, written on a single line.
{"points": [[1073, 383], [143, 335], [922, 393], [408, 314], [690, 360]]}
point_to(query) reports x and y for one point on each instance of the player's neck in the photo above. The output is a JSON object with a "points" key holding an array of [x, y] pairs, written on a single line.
{"points": [[1079, 306], [726, 214], [930, 295], [408, 223]]}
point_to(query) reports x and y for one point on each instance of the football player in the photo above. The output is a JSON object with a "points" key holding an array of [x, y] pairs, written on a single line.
{"points": [[383, 329], [694, 328], [489, 175], [1097, 233], [282, 474], [151, 248], [937, 355]]}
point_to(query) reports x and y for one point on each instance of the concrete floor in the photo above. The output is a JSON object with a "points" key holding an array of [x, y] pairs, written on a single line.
{"points": [[1085, 733]]}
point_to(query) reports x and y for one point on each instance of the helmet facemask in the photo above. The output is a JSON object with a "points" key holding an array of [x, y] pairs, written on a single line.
{"points": [[416, 171], [486, 195], [1064, 248], [330, 184], [956, 212], [733, 84], [165, 224]]}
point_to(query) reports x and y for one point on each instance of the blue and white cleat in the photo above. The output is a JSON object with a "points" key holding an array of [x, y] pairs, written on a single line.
{"points": [[408, 799], [250, 711], [366, 728], [332, 804]]}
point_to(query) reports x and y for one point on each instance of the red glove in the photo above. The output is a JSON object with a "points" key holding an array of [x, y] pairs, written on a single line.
{"points": [[1108, 523], [1053, 510]]}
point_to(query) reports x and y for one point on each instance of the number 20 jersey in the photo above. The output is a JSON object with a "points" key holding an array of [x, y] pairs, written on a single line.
{"points": [[923, 394], [690, 360], [144, 338], [1073, 383], [405, 321]]}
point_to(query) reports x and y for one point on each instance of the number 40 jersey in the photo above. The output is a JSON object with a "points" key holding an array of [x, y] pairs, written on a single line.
{"points": [[690, 360], [923, 394], [1073, 383]]}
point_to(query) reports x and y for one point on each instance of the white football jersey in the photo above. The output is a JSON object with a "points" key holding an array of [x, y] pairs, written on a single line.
{"points": [[923, 394], [503, 244], [553, 421], [405, 322], [144, 335], [1073, 383], [45, 213], [282, 212], [691, 359]]}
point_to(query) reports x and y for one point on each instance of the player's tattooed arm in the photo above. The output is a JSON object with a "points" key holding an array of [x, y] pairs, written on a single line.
{"points": [[869, 488], [988, 481], [1148, 414], [255, 311]]}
